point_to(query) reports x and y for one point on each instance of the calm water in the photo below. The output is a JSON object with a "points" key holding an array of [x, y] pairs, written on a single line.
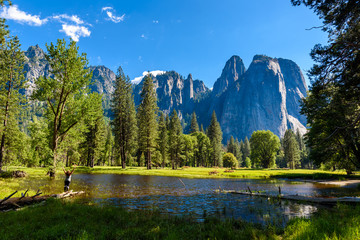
{"points": [[196, 197]]}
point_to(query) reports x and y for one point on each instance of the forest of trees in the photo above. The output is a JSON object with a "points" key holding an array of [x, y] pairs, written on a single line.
{"points": [[63, 123]]}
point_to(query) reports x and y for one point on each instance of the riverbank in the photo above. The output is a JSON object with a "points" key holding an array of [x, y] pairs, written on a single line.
{"points": [[64, 220]]}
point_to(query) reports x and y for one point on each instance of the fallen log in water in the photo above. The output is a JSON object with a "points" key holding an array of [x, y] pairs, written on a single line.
{"points": [[18, 202], [319, 200]]}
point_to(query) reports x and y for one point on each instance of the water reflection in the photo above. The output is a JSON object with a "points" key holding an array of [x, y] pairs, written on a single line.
{"points": [[199, 197]]}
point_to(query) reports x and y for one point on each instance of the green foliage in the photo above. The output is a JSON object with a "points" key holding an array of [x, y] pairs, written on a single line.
{"points": [[124, 122], [234, 148], [65, 91], [229, 160], [162, 140], [147, 119], [194, 126], [247, 163], [245, 148], [202, 149], [175, 140], [333, 104], [215, 136], [11, 81], [188, 151], [291, 149], [264, 146]]}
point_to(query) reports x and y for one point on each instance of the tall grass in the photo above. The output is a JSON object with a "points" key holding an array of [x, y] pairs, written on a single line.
{"points": [[65, 220]]}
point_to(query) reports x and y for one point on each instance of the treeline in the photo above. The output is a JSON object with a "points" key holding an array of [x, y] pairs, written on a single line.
{"points": [[63, 123]]}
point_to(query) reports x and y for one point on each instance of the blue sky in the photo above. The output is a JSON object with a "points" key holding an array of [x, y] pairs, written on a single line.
{"points": [[188, 36]]}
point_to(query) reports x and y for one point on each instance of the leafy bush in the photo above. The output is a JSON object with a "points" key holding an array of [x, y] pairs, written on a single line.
{"points": [[229, 160]]}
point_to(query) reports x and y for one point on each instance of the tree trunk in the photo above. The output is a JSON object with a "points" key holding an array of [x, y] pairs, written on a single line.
{"points": [[148, 159]]}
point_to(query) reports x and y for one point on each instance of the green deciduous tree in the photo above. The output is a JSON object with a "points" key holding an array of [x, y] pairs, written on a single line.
{"points": [[215, 136], [124, 122], [147, 119], [65, 91], [264, 146], [230, 160]]}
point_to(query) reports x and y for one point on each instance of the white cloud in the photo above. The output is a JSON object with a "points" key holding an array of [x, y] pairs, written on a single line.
{"points": [[137, 80], [110, 12], [72, 18], [75, 32], [13, 13], [156, 21], [142, 36]]}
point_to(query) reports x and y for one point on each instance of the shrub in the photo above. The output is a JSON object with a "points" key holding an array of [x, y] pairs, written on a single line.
{"points": [[229, 160]]}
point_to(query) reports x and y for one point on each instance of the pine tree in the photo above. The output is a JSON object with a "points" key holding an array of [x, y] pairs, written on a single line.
{"points": [[291, 149], [124, 122], [11, 81], [194, 127], [162, 140], [65, 91], [147, 119], [215, 135], [246, 149], [175, 140]]}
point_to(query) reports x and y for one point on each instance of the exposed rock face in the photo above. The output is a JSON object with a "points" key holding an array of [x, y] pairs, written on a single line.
{"points": [[232, 71], [103, 80], [35, 66], [266, 97], [174, 92]]}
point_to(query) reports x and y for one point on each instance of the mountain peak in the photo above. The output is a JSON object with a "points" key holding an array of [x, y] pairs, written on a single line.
{"points": [[232, 71], [35, 51]]}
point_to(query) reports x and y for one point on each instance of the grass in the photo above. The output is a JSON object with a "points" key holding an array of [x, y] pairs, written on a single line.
{"points": [[59, 220], [200, 172], [65, 220]]}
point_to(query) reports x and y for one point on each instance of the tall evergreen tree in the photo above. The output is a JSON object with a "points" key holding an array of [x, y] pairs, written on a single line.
{"points": [[162, 141], [11, 81], [291, 149], [147, 119], [124, 122], [246, 149], [234, 148], [333, 105], [65, 91], [175, 139], [194, 127], [215, 135]]}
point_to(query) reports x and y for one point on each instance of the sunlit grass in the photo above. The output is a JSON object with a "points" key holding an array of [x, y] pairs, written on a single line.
{"points": [[65, 220]]}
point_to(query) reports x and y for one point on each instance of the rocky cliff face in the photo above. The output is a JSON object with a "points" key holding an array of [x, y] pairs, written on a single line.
{"points": [[174, 92], [35, 66], [233, 70], [265, 97]]}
